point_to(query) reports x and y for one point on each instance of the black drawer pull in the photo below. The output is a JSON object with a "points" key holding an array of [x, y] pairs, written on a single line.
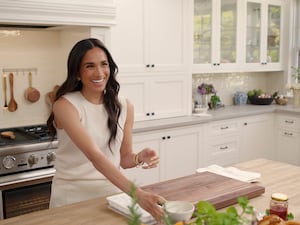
{"points": [[288, 134], [289, 121], [224, 128]]}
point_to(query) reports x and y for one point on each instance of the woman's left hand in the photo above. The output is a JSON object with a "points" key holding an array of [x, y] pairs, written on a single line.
{"points": [[149, 157]]}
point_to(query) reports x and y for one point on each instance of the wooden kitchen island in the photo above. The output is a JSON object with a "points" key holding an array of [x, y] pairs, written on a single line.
{"points": [[276, 177]]}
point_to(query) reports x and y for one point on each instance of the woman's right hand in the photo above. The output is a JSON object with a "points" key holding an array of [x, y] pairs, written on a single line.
{"points": [[150, 202]]}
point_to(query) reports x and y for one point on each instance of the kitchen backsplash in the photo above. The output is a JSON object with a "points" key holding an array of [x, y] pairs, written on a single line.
{"points": [[226, 84]]}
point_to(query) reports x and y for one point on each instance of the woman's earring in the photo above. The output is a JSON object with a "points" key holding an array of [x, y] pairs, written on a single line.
{"points": [[104, 91]]}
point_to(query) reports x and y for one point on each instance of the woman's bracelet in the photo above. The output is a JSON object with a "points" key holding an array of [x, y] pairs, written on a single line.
{"points": [[136, 160]]}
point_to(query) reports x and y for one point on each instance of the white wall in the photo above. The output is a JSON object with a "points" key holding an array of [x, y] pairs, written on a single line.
{"points": [[44, 50]]}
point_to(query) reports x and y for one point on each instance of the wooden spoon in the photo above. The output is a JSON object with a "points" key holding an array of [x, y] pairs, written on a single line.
{"points": [[31, 94], [12, 104]]}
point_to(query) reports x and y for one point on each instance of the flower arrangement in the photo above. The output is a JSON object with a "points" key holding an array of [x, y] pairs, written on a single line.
{"points": [[206, 89]]}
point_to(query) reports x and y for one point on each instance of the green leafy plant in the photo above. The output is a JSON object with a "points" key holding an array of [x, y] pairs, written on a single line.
{"points": [[215, 99], [135, 217], [206, 214]]}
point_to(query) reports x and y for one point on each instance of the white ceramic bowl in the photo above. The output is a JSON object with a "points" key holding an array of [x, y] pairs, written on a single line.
{"points": [[179, 210]]}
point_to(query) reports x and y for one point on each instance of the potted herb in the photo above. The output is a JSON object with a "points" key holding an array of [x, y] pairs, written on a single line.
{"points": [[214, 101]]}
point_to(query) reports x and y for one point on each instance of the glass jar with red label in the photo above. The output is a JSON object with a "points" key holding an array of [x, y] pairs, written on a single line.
{"points": [[279, 205]]}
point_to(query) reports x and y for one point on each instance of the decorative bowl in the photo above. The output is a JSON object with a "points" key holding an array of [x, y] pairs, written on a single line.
{"points": [[254, 100], [179, 210], [281, 101]]}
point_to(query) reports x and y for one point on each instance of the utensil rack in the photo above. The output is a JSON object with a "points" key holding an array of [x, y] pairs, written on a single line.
{"points": [[19, 70]]}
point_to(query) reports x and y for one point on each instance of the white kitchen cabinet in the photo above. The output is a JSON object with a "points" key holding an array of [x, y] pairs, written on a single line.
{"points": [[264, 35], [238, 36], [179, 152], [288, 139], [150, 36], [257, 137], [138, 175], [178, 149], [215, 34], [221, 142], [158, 96]]}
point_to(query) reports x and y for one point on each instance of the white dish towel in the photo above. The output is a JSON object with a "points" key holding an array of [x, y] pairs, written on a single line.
{"points": [[232, 172]]}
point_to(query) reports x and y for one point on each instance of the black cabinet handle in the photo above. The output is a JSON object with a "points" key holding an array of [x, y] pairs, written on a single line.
{"points": [[289, 121], [166, 137], [224, 128], [288, 134]]}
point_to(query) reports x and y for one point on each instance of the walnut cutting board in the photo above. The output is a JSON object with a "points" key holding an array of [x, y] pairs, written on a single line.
{"points": [[218, 190]]}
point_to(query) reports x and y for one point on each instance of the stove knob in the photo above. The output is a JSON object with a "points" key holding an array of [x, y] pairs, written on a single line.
{"points": [[51, 157], [8, 162], [33, 159]]}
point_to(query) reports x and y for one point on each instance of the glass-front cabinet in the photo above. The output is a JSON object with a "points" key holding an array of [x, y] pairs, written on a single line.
{"points": [[215, 35], [237, 35], [264, 35]]}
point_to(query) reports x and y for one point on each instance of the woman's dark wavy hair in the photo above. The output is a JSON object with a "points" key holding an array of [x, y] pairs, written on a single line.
{"points": [[72, 84]]}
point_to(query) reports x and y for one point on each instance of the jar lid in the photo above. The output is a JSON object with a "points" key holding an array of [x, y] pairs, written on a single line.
{"points": [[279, 197]]}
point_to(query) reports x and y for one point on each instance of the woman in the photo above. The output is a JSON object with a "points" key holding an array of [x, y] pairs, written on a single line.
{"points": [[94, 129]]}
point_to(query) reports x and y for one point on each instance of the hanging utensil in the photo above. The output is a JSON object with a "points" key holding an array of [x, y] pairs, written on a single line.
{"points": [[12, 104], [5, 92], [31, 94]]}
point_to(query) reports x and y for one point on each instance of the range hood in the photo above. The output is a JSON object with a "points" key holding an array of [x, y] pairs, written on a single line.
{"points": [[43, 14]]}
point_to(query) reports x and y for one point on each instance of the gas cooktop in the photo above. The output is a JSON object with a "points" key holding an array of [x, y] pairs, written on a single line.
{"points": [[25, 149], [25, 135]]}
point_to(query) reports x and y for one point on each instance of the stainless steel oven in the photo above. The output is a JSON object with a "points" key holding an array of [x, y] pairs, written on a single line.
{"points": [[27, 158]]}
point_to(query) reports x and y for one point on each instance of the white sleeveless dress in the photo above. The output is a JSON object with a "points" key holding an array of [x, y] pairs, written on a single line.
{"points": [[76, 179]]}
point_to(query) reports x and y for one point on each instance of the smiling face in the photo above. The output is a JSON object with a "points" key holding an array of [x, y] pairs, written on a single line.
{"points": [[94, 74]]}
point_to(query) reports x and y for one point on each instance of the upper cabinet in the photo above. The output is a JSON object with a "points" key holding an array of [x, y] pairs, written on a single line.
{"points": [[234, 36], [148, 44], [150, 36], [264, 35], [215, 36], [156, 97]]}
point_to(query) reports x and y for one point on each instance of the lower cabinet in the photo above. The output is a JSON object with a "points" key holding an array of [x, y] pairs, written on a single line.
{"points": [[178, 150], [234, 140], [221, 143], [288, 139], [144, 176], [257, 137], [225, 142]]}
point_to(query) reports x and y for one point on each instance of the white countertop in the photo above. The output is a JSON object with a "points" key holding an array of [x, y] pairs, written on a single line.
{"points": [[227, 112]]}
